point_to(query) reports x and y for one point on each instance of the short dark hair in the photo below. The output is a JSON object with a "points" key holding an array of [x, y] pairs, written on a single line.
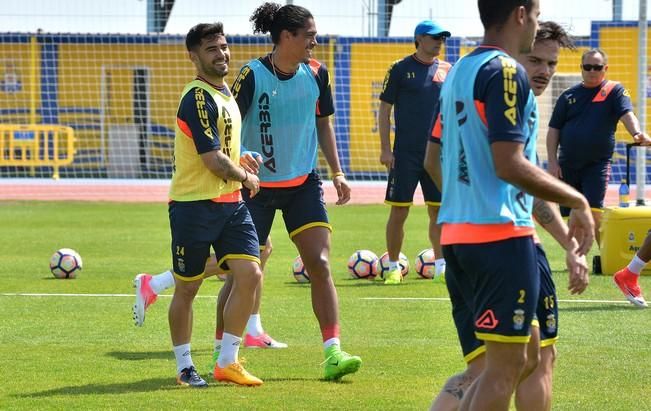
{"points": [[595, 50], [495, 12], [273, 18], [550, 30], [202, 31]]}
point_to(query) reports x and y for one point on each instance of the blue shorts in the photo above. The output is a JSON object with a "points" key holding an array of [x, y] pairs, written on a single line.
{"points": [[546, 309], [591, 181], [198, 225], [302, 206], [499, 283], [405, 175]]}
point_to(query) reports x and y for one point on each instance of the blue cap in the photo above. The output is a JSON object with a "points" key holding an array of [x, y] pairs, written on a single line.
{"points": [[430, 28]]}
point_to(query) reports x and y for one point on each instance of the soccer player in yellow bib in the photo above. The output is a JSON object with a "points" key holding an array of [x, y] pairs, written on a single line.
{"points": [[206, 209]]}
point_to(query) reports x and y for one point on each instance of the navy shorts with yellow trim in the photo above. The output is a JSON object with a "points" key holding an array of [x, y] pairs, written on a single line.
{"points": [[591, 181], [500, 283], [302, 207], [405, 175], [198, 225], [462, 314], [547, 311]]}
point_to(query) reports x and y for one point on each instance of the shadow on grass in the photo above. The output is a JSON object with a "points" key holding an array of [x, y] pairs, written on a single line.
{"points": [[149, 355], [152, 384], [592, 307], [148, 385]]}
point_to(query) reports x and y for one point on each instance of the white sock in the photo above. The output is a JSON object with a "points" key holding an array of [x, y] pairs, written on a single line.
{"points": [[218, 345], [636, 265], [254, 325], [183, 357], [439, 266], [230, 350], [394, 265], [330, 342], [162, 282]]}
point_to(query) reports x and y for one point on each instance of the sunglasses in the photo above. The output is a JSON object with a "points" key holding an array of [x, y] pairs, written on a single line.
{"points": [[439, 37], [591, 67]]}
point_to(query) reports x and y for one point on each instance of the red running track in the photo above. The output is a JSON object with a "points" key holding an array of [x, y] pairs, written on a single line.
{"points": [[156, 191]]}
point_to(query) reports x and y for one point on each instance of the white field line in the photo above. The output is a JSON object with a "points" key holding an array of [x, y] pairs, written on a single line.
{"points": [[448, 300], [443, 299]]}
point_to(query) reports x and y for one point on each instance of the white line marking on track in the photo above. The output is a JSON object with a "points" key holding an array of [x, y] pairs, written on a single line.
{"points": [[444, 299]]}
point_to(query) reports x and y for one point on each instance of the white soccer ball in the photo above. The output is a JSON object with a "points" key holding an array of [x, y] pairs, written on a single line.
{"points": [[425, 263], [363, 264], [65, 263], [299, 272], [383, 265]]}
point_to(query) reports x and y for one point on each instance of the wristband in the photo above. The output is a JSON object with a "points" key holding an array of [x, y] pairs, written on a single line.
{"points": [[338, 173]]}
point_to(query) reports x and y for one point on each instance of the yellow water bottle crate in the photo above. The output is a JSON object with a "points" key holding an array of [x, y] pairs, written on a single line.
{"points": [[622, 232]]}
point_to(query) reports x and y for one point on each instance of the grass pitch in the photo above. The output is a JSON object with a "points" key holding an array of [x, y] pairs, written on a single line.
{"points": [[75, 346]]}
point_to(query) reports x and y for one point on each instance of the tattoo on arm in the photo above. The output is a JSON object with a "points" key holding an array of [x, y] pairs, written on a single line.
{"points": [[458, 385], [230, 170], [542, 211]]}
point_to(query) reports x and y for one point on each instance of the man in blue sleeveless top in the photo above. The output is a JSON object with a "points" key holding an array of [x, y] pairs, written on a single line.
{"points": [[534, 390], [411, 87], [489, 128], [286, 104]]}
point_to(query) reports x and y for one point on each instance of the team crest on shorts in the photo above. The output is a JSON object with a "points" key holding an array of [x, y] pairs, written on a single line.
{"points": [[550, 323], [518, 319], [181, 264]]}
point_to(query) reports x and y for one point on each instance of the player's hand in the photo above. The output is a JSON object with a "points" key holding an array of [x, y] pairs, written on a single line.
{"points": [[387, 159], [250, 161], [577, 271], [581, 227], [343, 189], [252, 182], [642, 139], [554, 169]]}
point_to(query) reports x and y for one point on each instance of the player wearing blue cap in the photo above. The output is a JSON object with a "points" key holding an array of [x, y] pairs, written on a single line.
{"points": [[411, 87]]}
